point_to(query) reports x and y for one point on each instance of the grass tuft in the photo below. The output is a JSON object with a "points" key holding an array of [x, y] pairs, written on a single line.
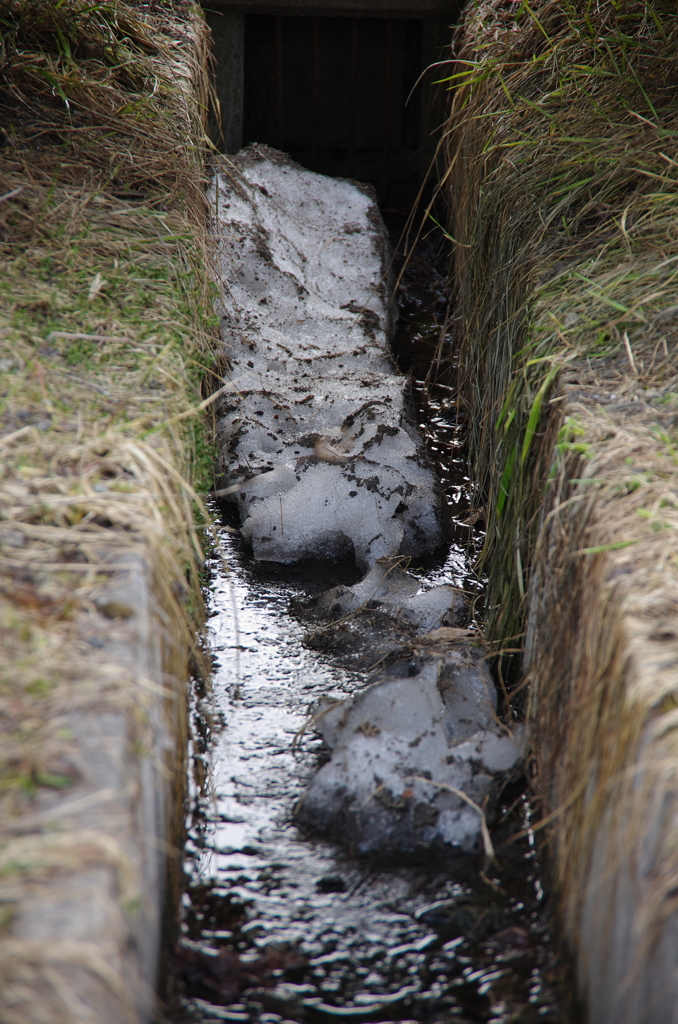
{"points": [[565, 214], [563, 194]]}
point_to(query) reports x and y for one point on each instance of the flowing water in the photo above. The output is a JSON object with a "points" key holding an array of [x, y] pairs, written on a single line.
{"points": [[278, 926]]}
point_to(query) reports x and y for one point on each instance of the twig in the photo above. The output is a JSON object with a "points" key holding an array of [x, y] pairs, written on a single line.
{"points": [[14, 192], [487, 840], [629, 352]]}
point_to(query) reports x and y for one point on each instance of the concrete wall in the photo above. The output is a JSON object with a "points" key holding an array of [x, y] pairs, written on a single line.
{"points": [[228, 46], [98, 561], [570, 405], [89, 899]]}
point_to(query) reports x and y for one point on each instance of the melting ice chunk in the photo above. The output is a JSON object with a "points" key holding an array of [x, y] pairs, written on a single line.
{"points": [[403, 752], [389, 588], [318, 441]]}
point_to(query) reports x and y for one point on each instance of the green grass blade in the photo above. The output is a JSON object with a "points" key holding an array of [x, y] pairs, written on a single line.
{"points": [[535, 412]]}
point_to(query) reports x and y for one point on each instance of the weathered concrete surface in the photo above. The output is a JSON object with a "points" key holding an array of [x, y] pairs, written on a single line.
{"points": [[96, 514], [83, 875], [318, 442], [228, 45], [572, 407]]}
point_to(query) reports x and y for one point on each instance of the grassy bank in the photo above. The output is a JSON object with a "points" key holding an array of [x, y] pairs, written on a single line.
{"points": [[562, 181], [105, 337], [564, 123]]}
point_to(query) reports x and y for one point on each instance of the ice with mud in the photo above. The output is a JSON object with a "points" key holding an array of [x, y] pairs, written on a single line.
{"points": [[388, 588], [319, 447], [317, 438], [403, 753], [418, 758]]}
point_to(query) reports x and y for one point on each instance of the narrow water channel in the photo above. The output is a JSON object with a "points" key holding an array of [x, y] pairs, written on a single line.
{"points": [[277, 926]]}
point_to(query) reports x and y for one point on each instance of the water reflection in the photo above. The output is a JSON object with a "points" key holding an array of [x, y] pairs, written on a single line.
{"points": [[278, 926]]}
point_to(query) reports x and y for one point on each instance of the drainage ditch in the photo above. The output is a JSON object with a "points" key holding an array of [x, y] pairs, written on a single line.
{"points": [[278, 925]]}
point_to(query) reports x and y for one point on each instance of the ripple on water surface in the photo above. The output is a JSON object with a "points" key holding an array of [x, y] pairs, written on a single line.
{"points": [[278, 926], [281, 927]]}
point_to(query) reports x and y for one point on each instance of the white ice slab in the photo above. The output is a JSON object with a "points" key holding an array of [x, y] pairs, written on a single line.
{"points": [[390, 589], [400, 750], [317, 436]]}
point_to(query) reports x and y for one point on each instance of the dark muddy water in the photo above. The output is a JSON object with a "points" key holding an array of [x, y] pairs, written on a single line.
{"points": [[277, 926]]}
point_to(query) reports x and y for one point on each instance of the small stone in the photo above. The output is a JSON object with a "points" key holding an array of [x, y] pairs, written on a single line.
{"points": [[331, 883]]}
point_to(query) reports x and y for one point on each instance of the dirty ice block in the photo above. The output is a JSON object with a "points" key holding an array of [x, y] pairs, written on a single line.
{"points": [[420, 757], [318, 443], [415, 761]]}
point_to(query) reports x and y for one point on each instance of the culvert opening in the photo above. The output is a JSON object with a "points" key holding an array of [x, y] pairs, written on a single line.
{"points": [[334, 94], [345, 93]]}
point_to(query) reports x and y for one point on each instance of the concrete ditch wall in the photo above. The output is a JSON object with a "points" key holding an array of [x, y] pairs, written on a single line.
{"points": [[561, 201], [84, 869], [103, 336]]}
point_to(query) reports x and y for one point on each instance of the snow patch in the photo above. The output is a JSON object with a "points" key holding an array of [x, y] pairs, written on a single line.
{"points": [[318, 444], [402, 751]]}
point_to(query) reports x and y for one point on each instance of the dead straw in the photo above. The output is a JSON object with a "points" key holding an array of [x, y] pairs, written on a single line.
{"points": [[563, 205], [105, 330]]}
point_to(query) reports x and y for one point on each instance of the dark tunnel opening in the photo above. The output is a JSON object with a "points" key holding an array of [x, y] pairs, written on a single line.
{"points": [[332, 92], [345, 93]]}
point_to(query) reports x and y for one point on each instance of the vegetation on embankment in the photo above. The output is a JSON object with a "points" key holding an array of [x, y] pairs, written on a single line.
{"points": [[562, 186], [563, 189], [105, 336]]}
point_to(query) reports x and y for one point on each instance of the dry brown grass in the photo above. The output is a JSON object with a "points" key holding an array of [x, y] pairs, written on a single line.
{"points": [[105, 336], [109, 92], [562, 186], [105, 331]]}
